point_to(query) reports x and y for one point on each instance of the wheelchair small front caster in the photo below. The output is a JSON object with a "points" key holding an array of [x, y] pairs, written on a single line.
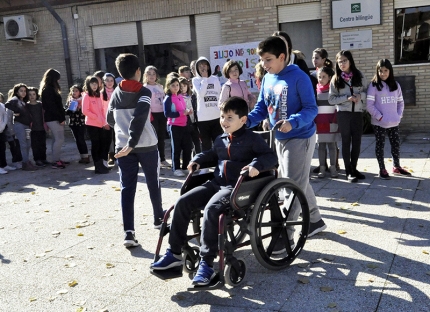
{"points": [[191, 259], [234, 274]]}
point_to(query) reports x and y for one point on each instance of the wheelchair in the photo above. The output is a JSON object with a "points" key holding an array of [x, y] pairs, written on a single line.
{"points": [[269, 213]]}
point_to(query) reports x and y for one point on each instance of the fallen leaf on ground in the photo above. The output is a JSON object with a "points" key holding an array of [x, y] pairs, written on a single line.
{"points": [[80, 234], [355, 204], [303, 265], [328, 258], [70, 265], [72, 283], [110, 265], [372, 266], [425, 252], [303, 280], [51, 299], [428, 272], [393, 275], [326, 288], [33, 299], [46, 210], [81, 309], [371, 280], [332, 305], [341, 232]]}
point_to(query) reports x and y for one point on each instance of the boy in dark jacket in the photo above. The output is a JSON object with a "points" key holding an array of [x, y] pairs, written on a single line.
{"points": [[135, 142], [235, 150]]}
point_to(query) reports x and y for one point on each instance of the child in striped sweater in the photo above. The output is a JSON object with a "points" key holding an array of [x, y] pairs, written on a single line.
{"points": [[327, 128]]}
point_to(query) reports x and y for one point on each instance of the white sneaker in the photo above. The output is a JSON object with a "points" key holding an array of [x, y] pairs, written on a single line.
{"points": [[178, 173], [2, 171], [17, 165], [321, 174], [9, 168], [333, 172]]}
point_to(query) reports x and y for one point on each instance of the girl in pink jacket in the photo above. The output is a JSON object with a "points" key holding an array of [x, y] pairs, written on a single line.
{"points": [[175, 109], [97, 126]]}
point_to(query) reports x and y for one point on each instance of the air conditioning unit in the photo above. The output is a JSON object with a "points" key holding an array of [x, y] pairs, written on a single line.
{"points": [[18, 27]]}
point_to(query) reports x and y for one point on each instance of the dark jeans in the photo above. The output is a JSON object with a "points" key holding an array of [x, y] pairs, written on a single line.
{"points": [[100, 142], [38, 144], [195, 137], [15, 150], [351, 130], [3, 140], [128, 170], [159, 122], [181, 142], [215, 199], [79, 135], [209, 130]]}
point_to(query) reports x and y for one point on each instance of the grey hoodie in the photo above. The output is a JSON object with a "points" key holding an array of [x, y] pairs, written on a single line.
{"points": [[207, 90]]}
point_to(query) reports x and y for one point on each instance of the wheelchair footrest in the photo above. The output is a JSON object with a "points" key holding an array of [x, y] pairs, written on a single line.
{"points": [[174, 272], [215, 283]]}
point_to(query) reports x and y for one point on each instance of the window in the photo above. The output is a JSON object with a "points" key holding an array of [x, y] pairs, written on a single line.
{"points": [[412, 33]]}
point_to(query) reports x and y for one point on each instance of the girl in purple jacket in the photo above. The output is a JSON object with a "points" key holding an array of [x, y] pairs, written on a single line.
{"points": [[175, 109], [385, 105]]}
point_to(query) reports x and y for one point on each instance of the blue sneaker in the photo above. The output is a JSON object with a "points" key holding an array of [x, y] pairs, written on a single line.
{"points": [[169, 260], [204, 274]]}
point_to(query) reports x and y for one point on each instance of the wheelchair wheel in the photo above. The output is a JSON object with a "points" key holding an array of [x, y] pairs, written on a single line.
{"points": [[191, 259], [279, 224], [235, 274]]}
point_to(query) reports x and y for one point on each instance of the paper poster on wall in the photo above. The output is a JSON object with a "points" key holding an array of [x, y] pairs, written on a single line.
{"points": [[354, 40], [244, 53]]}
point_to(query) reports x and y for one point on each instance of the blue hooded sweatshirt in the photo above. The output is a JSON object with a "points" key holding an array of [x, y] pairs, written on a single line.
{"points": [[288, 95]]}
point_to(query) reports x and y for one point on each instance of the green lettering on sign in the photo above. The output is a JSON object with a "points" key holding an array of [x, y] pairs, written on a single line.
{"points": [[355, 7]]}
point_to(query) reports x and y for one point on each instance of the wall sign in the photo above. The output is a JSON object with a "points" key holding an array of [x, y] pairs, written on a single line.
{"points": [[353, 40], [244, 53], [354, 13]]}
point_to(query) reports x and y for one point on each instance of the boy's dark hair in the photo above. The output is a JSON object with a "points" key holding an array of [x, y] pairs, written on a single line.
{"points": [[390, 81], [169, 80], [172, 74], [339, 83], [227, 66], [17, 87], [272, 45], [127, 64], [35, 90], [235, 104], [184, 81], [88, 89], [183, 69]]}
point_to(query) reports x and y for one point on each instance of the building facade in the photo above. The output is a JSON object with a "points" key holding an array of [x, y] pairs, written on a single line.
{"points": [[169, 34]]}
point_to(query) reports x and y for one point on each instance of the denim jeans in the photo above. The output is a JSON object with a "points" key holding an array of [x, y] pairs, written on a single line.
{"points": [[24, 143], [57, 131]]}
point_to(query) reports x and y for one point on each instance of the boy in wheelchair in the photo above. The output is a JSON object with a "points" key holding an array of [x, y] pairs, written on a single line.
{"points": [[236, 150]]}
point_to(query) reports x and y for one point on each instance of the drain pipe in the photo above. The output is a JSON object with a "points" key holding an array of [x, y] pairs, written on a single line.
{"points": [[65, 41]]}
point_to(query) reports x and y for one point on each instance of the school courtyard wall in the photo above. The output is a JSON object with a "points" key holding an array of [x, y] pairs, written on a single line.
{"points": [[241, 21]]}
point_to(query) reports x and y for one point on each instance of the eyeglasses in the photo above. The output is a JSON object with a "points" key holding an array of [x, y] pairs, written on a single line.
{"points": [[342, 61]]}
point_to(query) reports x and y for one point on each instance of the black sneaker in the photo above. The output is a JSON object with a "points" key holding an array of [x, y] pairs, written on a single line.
{"points": [[130, 240], [359, 175], [316, 227], [280, 246]]}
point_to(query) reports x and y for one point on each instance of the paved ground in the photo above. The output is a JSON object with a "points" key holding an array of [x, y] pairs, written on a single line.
{"points": [[63, 227]]}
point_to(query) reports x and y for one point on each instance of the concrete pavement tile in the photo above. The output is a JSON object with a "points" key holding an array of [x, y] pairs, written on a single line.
{"points": [[404, 295], [346, 295]]}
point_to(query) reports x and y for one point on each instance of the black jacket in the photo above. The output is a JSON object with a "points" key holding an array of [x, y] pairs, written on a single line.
{"points": [[52, 105], [19, 108], [234, 152]]}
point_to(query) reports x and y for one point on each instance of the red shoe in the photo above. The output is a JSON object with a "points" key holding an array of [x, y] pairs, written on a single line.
{"points": [[58, 165], [401, 171]]}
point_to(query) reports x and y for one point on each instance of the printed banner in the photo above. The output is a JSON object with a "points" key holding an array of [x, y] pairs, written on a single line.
{"points": [[244, 53]]}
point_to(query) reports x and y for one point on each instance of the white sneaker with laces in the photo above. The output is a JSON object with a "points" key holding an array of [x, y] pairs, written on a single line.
{"points": [[9, 168], [164, 163], [178, 173], [2, 171]]}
